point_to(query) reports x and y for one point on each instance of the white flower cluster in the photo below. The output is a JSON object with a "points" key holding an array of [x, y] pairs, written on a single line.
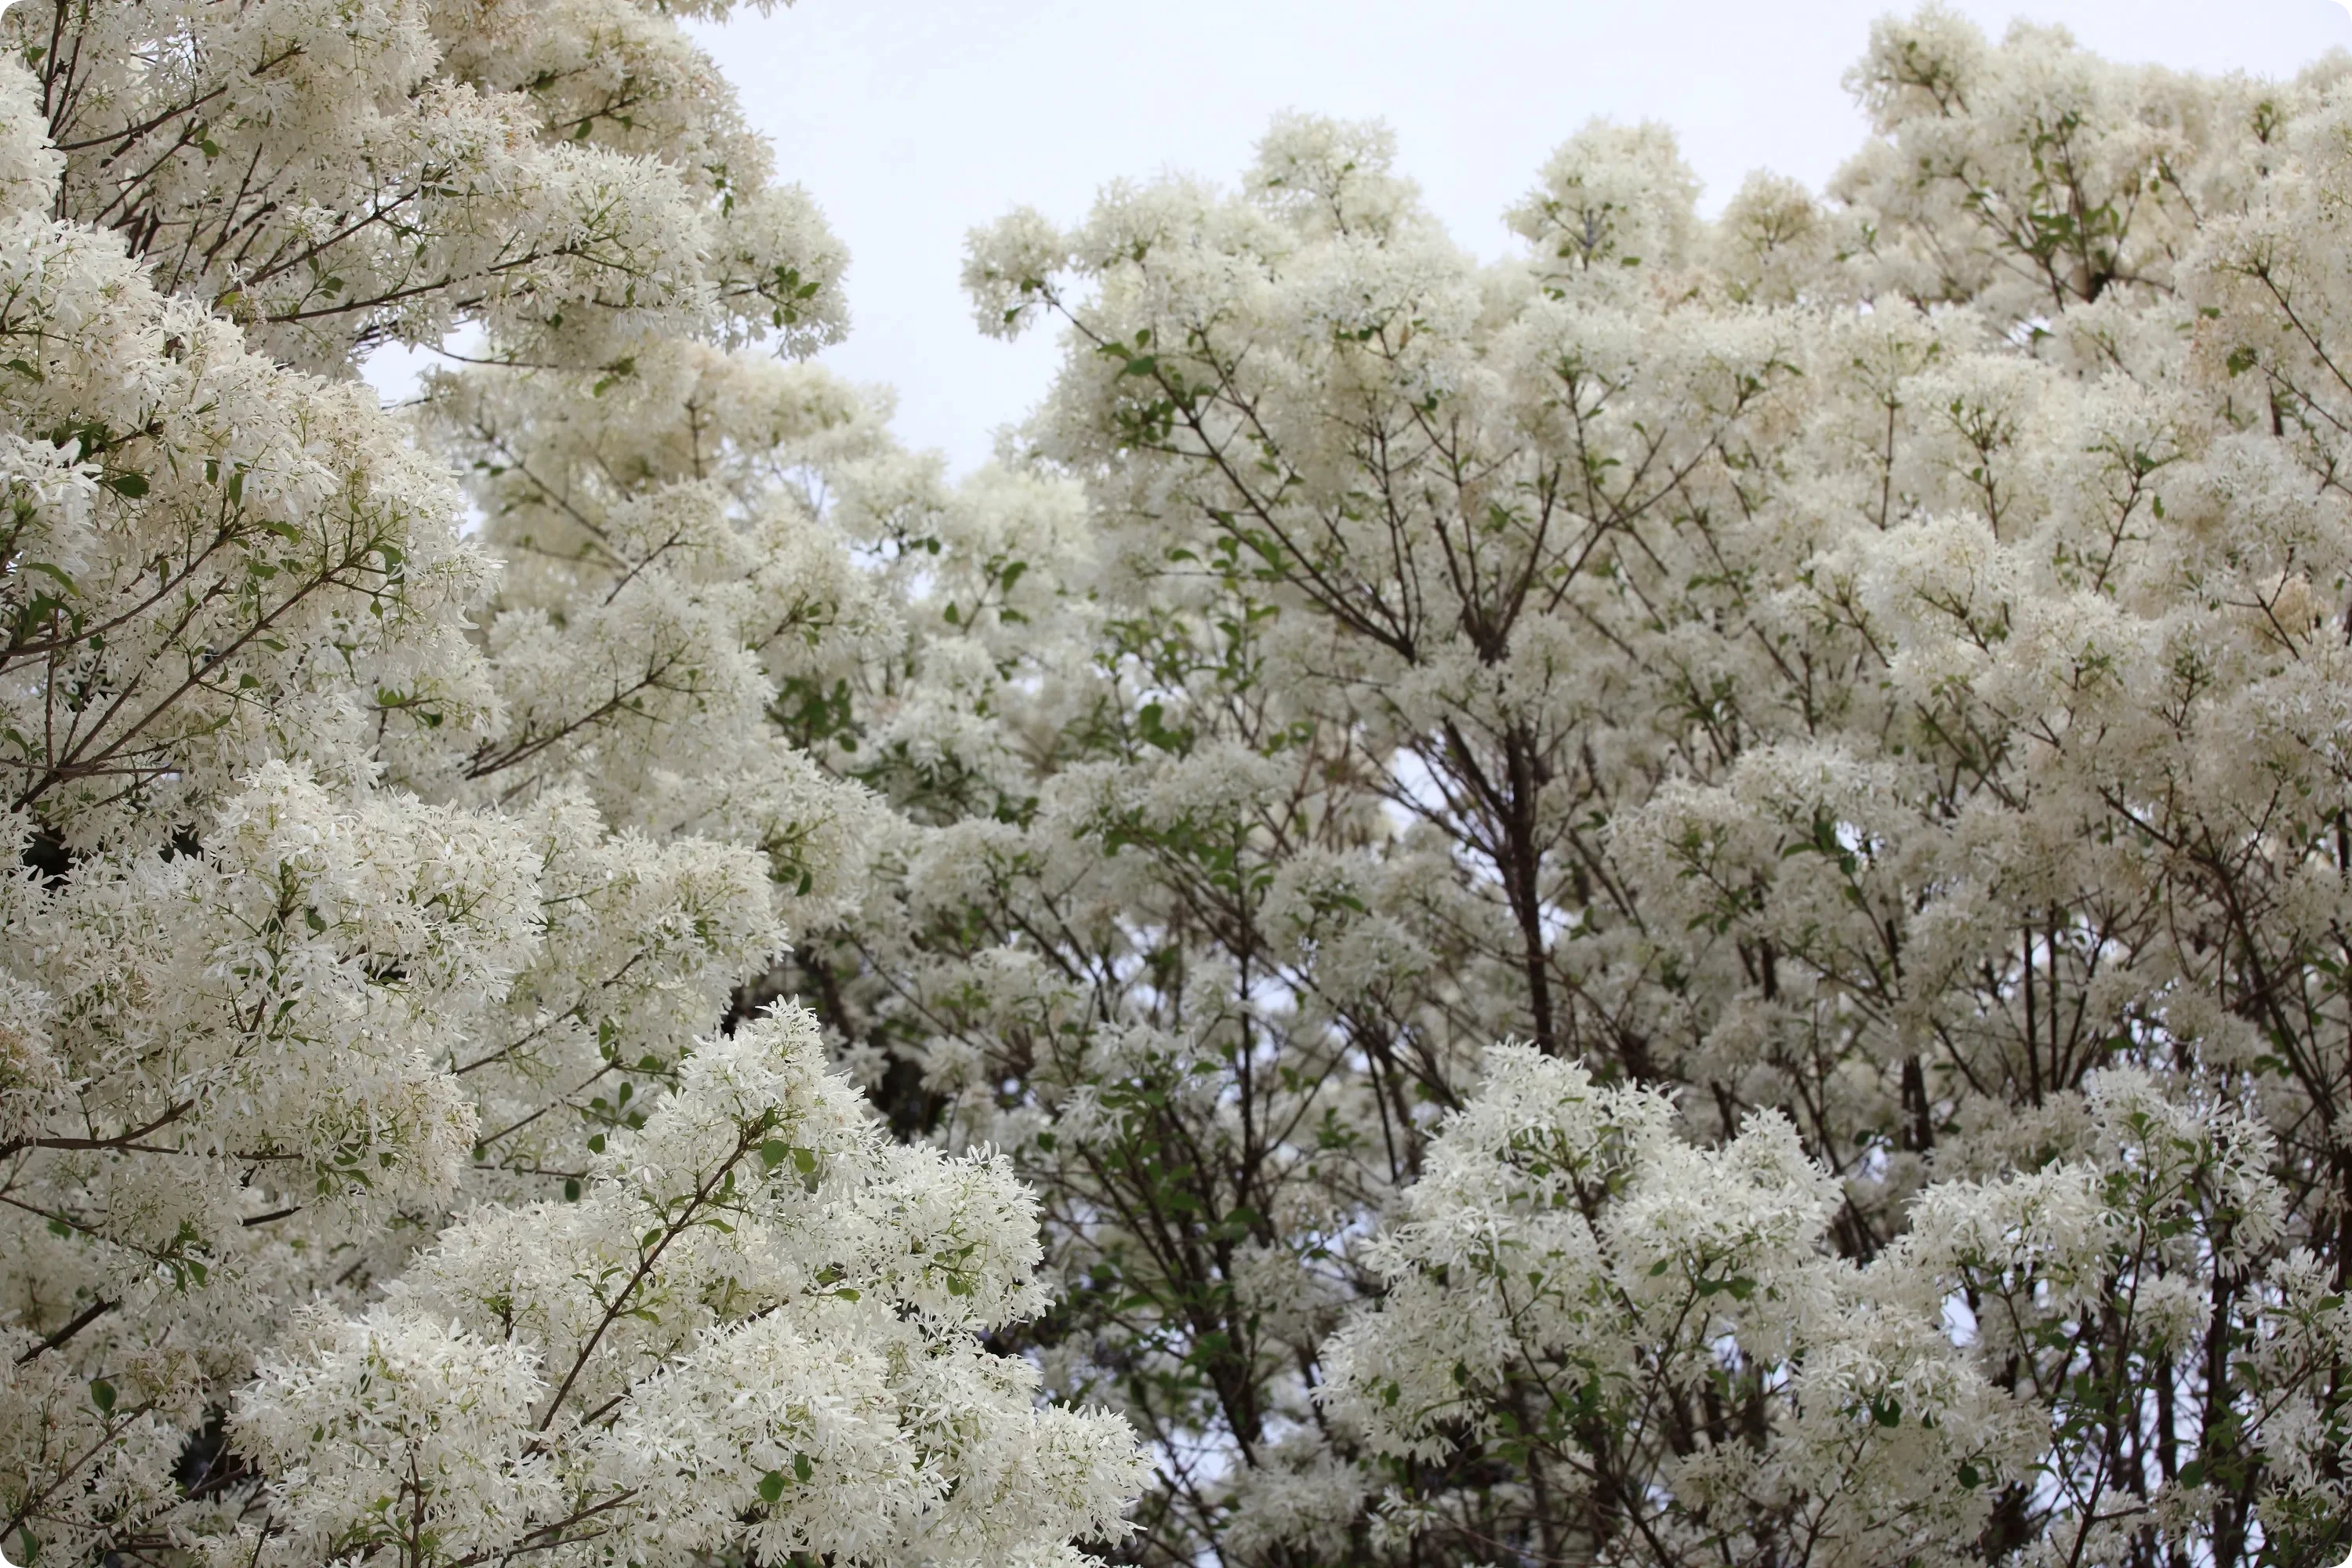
{"points": [[1859, 686], [1666, 1338], [756, 1329], [574, 176], [400, 1156], [1662, 1335]]}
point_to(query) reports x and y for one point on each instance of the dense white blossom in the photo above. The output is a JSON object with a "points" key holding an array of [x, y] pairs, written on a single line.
{"points": [[404, 1156], [1855, 684], [1851, 693]]}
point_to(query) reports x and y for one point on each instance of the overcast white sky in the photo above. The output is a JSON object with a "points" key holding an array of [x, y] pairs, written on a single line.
{"points": [[912, 121]]}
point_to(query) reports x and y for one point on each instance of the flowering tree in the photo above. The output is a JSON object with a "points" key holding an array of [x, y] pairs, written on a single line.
{"points": [[1856, 686], [391, 1170], [1851, 694]]}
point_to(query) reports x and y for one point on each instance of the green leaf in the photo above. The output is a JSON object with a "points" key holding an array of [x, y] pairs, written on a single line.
{"points": [[772, 1152], [129, 484], [772, 1486], [101, 1393], [801, 1465], [56, 572]]}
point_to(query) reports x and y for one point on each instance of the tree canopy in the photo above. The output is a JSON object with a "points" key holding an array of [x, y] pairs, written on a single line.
{"points": [[1682, 900]]}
